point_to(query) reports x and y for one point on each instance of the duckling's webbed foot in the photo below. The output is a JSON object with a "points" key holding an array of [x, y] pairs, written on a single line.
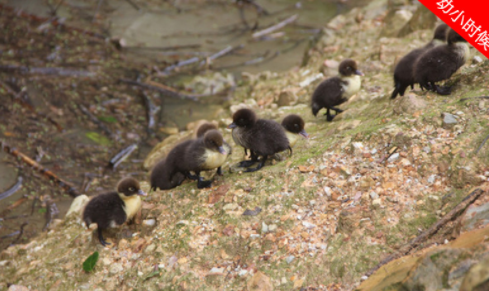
{"points": [[246, 164], [444, 90], [201, 183], [260, 165], [190, 176], [329, 116], [337, 110], [101, 238]]}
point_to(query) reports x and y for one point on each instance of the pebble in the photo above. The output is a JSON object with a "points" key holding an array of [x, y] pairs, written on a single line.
{"points": [[216, 270], [264, 227], [230, 207], [308, 225], [449, 119], [149, 222], [374, 195], [393, 157], [431, 179], [115, 268], [242, 273], [289, 259], [272, 227]]}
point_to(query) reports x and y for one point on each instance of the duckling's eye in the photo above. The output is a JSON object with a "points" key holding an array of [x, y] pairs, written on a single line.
{"points": [[131, 189]]}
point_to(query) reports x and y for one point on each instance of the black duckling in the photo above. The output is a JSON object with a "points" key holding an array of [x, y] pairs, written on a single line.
{"points": [[294, 127], [114, 208], [261, 136], [162, 178], [205, 153], [337, 90], [439, 63], [203, 128], [403, 73]]}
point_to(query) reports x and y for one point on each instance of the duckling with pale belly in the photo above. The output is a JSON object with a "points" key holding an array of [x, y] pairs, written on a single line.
{"points": [[294, 127], [337, 90], [112, 209], [205, 153]]}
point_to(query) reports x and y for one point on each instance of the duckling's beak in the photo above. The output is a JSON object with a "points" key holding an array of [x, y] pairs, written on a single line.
{"points": [[222, 150], [141, 192], [304, 133], [232, 125], [357, 72]]}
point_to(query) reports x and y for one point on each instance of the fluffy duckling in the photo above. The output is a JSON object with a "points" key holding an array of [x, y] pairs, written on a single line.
{"points": [[337, 90], [439, 63], [403, 73], [205, 153], [162, 178], [114, 208], [263, 137], [207, 126], [294, 127]]}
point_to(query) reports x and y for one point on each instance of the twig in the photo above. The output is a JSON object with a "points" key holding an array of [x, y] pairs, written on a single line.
{"points": [[165, 48], [482, 144], [221, 53], [51, 213], [95, 120], [12, 190], [151, 110], [162, 89], [452, 215], [121, 156], [274, 27], [63, 184], [20, 234], [479, 97], [65, 72]]}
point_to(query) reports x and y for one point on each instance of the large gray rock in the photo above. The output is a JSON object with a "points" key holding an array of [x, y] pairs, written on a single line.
{"points": [[423, 18], [474, 217], [77, 205], [395, 21]]}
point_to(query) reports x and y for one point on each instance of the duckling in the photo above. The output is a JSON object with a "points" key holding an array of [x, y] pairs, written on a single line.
{"points": [[294, 126], [161, 177], [337, 90], [439, 63], [207, 126], [263, 137], [112, 209], [403, 73], [202, 154]]}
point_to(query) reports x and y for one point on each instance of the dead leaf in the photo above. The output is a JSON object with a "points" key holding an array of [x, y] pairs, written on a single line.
{"points": [[306, 169], [228, 230], [260, 282], [218, 193]]}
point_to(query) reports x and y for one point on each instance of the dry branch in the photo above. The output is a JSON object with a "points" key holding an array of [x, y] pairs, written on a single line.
{"points": [[274, 27], [68, 187], [151, 110], [452, 215], [121, 156], [64, 72]]}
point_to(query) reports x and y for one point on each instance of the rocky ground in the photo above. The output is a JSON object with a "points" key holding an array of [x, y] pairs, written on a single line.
{"points": [[359, 190]]}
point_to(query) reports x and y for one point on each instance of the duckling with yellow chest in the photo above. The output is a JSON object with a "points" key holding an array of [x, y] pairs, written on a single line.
{"points": [[112, 209]]}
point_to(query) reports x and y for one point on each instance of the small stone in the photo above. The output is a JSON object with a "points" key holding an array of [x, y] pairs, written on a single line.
{"points": [[308, 225], [264, 227], [17, 288], [115, 268], [364, 278], [272, 228], [374, 195], [289, 259], [328, 191], [405, 162], [431, 179], [149, 249], [477, 60], [376, 202], [107, 261], [242, 273], [393, 158], [149, 222], [230, 207], [216, 271], [449, 120]]}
